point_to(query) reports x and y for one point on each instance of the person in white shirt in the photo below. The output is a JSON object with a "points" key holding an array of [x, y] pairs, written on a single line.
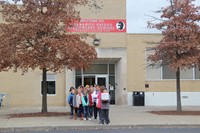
{"points": [[94, 97]]}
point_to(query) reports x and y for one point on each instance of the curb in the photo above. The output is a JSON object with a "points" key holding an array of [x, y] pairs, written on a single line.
{"points": [[96, 127]]}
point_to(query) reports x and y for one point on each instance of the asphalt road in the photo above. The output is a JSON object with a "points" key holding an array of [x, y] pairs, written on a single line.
{"points": [[134, 130]]}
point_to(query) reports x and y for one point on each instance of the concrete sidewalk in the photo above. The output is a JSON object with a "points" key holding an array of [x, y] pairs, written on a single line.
{"points": [[120, 116]]}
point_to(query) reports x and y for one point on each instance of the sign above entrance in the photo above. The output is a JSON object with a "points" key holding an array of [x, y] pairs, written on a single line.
{"points": [[98, 25]]}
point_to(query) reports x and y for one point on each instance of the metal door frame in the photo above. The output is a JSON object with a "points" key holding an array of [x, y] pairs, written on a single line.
{"points": [[102, 76]]}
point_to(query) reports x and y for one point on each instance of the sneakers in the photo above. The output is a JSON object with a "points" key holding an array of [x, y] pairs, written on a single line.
{"points": [[71, 117], [84, 119], [100, 123], [89, 119]]}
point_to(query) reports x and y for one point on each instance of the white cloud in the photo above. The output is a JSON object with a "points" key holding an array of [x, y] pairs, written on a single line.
{"points": [[137, 11]]}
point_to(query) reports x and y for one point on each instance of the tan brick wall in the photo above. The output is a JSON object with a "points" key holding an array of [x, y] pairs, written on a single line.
{"points": [[112, 9], [25, 90], [137, 73]]}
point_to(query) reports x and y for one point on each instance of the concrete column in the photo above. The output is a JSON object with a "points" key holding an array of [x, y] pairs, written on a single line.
{"points": [[69, 80], [121, 71]]}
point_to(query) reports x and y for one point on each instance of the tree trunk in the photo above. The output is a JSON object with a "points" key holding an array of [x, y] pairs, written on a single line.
{"points": [[44, 94], [178, 90]]}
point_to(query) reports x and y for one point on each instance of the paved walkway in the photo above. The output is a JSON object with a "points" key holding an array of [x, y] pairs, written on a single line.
{"points": [[120, 116]]}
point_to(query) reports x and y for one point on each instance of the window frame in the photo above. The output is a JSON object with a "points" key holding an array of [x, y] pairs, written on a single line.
{"points": [[161, 71], [82, 74], [49, 79]]}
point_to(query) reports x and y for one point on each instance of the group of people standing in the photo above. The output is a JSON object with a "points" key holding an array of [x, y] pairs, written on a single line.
{"points": [[86, 103]]}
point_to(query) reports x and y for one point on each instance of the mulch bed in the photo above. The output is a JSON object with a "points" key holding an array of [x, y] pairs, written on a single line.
{"points": [[39, 114], [186, 113]]}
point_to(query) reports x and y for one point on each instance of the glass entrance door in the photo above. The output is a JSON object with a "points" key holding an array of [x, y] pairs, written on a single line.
{"points": [[101, 80], [101, 74], [89, 80]]}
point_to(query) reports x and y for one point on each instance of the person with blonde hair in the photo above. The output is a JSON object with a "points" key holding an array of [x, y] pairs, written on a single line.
{"points": [[85, 104], [87, 88]]}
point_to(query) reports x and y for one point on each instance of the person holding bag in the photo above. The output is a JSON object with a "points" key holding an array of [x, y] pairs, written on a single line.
{"points": [[105, 103]]}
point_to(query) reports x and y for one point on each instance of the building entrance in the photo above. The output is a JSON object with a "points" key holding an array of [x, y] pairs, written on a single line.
{"points": [[88, 80], [100, 74], [101, 80]]}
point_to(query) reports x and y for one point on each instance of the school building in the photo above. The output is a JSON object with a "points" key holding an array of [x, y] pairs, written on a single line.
{"points": [[121, 66]]}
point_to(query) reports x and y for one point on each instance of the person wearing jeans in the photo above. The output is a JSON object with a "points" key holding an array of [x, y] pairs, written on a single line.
{"points": [[70, 101], [85, 104], [80, 111], [94, 98]]}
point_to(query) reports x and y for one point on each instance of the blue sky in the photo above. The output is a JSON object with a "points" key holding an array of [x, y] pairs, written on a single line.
{"points": [[138, 11]]}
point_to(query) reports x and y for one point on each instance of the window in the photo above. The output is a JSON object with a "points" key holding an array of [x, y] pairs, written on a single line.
{"points": [[184, 74], [167, 73], [111, 69], [112, 77], [51, 87], [97, 69], [88, 76], [164, 72], [89, 80], [51, 84], [152, 72], [187, 73], [197, 73], [78, 81]]}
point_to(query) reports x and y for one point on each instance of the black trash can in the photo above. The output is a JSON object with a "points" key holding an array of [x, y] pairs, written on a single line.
{"points": [[138, 98]]}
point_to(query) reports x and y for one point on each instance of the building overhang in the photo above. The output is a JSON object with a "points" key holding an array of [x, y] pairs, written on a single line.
{"points": [[106, 60]]}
